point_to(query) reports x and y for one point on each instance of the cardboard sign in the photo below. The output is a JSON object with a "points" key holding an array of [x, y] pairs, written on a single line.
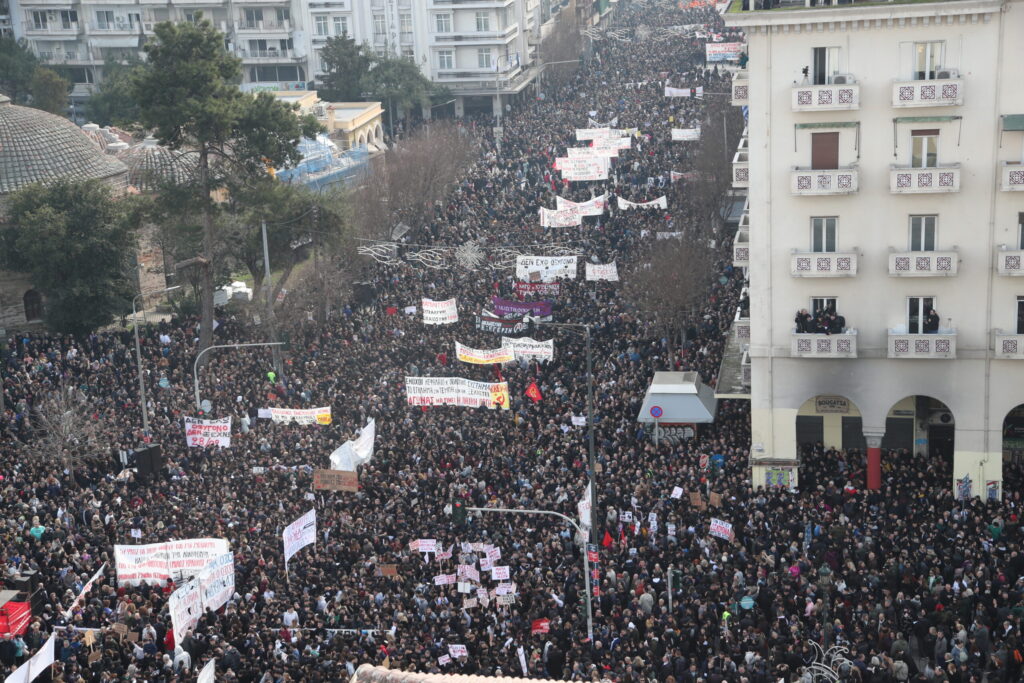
{"points": [[508, 599], [469, 603], [499, 573], [677, 492], [387, 570], [721, 529], [457, 651], [335, 480], [715, 500]]}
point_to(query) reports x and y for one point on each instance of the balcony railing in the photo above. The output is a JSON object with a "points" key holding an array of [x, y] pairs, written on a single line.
{"points": [[824, 345], [940, 345], [741, 250], [746, 370], [1012, 176], [265, 55], [906, 180], [923, 263], [824, 181], [741, 169], [117, 27], [265, 25], [826, 97], [827, 264], [1008, 346], [941, 92], [740, 88], [56, 28], [1009, 261], [741, 327]]}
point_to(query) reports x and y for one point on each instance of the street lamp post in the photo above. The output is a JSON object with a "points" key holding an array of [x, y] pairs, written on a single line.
{"points": [[138, 355], [195, 365], [825, 582], [592, 456], [583, 550]]}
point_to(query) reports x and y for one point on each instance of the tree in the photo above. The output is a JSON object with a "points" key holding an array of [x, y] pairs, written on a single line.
{"points": [[76, 243], [345, 63], [398, 82], [68, 431], [17, 66], [188, 93], [114, 104], [50, 91]]}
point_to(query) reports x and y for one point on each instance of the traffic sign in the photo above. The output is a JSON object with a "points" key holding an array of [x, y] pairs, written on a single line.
{"points": [[746, 602], [656, 411]]}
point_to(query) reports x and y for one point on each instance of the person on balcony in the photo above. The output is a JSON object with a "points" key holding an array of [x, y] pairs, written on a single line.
{"points": [[804, 322], [931, 322]]}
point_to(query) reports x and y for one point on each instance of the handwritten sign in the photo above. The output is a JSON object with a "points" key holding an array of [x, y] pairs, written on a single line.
{"points": [[335, 480]]}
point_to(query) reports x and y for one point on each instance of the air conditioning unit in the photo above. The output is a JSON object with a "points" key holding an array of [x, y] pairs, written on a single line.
{"points": [[947, 73], [147, 26], [941, 418], [320, 111], [842, 80]]}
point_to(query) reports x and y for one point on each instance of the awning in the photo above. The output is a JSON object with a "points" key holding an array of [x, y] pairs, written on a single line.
{"points": [[925, 119], [678, 397], [1013, 122], [830, 124]]}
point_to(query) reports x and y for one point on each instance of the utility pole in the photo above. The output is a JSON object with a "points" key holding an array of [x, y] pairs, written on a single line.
{"points": [[271, 320]]}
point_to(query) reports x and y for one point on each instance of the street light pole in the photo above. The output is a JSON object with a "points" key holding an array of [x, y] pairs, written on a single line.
{"points": [[268, 287], [138, 355], [583, 550], [591, 454], [195, 364]]}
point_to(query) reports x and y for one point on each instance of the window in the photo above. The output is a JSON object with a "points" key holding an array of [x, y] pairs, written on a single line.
{"points": [[918, 308], [405, 23], [924, 148], [823, 234], [443, 23], [33, 302], [483, 21], [1020, 315], [39, 21], [380, 28], [483, 57], [826, 64], [922, 233], [341, 26], [191, 17], [927, 59], [134, 20], [68, 18], [104, 19], [284, 15], [320, 24], [253, 17], [445, 59], [1020, 230], [822, 303], [257, 47], [407, 53]]}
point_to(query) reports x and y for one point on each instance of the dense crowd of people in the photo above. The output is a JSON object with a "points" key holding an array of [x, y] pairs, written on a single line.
{"points": [[922, 586]]}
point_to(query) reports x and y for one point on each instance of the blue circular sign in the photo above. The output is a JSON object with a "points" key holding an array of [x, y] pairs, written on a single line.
{"points": [[656, 411], [747, 602]]}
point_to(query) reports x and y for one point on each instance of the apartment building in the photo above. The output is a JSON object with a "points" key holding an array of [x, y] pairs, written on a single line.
{"points": [[883, 162], [482, 50]]}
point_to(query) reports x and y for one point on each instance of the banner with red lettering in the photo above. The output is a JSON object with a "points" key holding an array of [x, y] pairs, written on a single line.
{"points": [[154, 563], [201, 433]]}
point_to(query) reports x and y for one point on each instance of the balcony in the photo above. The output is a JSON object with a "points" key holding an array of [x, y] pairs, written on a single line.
{"points": [[824, 345], [119, 28], [741, 327], [71, 28], [1012, 174], [834, 97], [1008, 346], [267, 25], [941, 92], [808, 182], [472, 37], [741, 169], [70, 58], [923, 263], [1009, 261], [740, 88], [922, 346], [823, 264], [265, 56], [741, 249], [905, 180]]}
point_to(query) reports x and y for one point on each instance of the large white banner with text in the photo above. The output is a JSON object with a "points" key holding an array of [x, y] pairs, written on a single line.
{"points": [[659, 203], [560, 218], [591, 207], [483, 356], [455, 391], [299, 534], [525, 348], [440, 312], [154, 563], [302, 416], [547, 268], [602, 271], [201, 433]]}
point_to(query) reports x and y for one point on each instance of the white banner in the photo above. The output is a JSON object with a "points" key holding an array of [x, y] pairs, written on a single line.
{"points": [[455, 391], [594, 133], [525, 348], [609, 147], [201, 433], [560, 218], [154, 563], [602, 271], [440, 312], [580, 153], [697, 92], [583, 510], [721, 529], [583, 168], [358, 451], [659, 203], [217, 581], [550, 268], [186, 607], [685, 134], [33, 668], [591, 123], [208, 672], [299, 534], [669, 235], [302, 416], [723, 52], [483, 356], [591, 207], [85, 589]]}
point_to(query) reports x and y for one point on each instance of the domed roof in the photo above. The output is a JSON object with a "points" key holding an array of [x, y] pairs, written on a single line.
{"points": [[38, 147], [150, 165]]}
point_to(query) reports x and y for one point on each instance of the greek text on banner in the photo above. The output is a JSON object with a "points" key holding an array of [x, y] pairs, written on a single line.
{"points": [[455, 391], [483, 356], [201, 433]]}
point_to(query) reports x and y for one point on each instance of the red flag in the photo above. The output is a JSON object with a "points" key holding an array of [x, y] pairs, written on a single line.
{"points": [[533, 391], [607, 541], [390, 310], [540, 626]]}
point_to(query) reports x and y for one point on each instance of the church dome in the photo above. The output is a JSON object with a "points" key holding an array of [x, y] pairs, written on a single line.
{"points": [[151, 165]]}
